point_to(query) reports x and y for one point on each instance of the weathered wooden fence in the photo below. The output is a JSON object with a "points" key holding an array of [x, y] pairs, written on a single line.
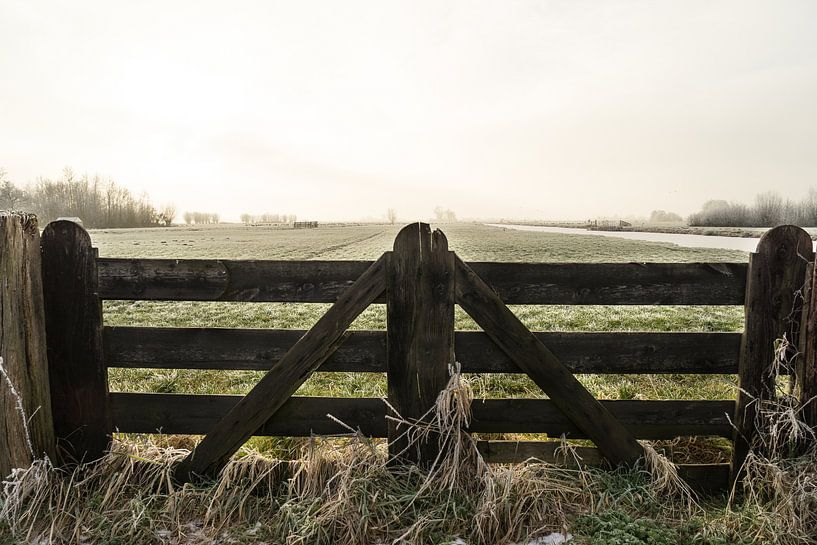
{"points": [[420, 281], [26, 430]]}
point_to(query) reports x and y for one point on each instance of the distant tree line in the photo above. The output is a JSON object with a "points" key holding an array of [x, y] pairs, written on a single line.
{"points": [[200, 218], [662, 216], [768, 210], [98, 202], [444, 215], [248, 219]]}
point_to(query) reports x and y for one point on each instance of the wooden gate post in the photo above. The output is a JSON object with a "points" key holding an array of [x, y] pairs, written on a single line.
{"points": [[420, 337], [776, 271], [79, 378], [805, 375], [26, 428]]}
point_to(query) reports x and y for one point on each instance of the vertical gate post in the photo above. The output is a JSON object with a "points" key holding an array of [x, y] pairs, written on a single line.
{"points": [[420, 337], [776, 271], [805, 375], [26, 428], [79, 378]]}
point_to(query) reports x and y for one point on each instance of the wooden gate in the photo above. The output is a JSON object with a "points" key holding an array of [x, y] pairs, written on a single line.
{"points": [[423, 281], [420, 281]]}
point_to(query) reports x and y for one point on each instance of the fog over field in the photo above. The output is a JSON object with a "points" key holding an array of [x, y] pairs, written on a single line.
{"points": [[558, 110]]}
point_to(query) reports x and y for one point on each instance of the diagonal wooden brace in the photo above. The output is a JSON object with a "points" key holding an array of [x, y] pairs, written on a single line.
{"points": [[285, 377], [486, 308]]}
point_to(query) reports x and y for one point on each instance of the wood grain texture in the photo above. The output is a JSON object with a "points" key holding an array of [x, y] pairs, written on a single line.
{"points": [[365, 351], [804, 380], [645, 419], [615, 283], [484, 306], [420, 336], [78, 375], [777, 271], [614, 352], [303, 416], [284, 378], [22, 347], [198, 414], [515, 283], [225, 280]]}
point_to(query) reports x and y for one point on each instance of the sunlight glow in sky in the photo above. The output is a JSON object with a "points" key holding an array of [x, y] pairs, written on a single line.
{"points": [[338, 110]]}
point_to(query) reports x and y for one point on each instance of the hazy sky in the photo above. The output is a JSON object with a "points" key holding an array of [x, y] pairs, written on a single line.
{"points": [[557, 109]]}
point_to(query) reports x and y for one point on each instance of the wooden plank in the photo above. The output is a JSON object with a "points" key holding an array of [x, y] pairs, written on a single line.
{"points": [[365, 351], [284, 378], [29, 435], [78, 375], [476, 298], [420, 336], [777, 271], [706, 478], [302, 416], [615, 283], [516, 283], [646, 419], [198, 414], [703, 478], [226, 280], [223, 348], [611, 352]]}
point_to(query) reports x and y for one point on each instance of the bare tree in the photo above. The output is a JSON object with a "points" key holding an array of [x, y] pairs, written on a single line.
{"points": [[444, 215], [769, 208], [391, 215], [167, 214], [100, 203], [810, 208], [11, 196], [662, 216]]}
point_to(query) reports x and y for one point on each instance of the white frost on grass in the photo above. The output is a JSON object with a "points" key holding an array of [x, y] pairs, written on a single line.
{"points": [[20, 408], [555, 538], [551, 539]]}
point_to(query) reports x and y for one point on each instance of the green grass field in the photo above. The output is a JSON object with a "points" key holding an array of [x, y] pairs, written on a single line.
{"points": [[471, 241]]}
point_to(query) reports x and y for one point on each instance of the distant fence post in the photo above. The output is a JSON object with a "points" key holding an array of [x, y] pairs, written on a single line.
{"points": [[79, 381], [420, 337], [776, 271], [26, 427], [805, 375]]}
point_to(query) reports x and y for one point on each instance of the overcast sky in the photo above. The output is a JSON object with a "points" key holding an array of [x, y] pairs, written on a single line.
{"points": [[541, 109]]}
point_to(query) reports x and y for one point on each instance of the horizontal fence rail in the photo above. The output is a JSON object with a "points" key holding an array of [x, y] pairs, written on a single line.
{"points": [[702, 477], [516, 283], [305, 416], [365, 351]]}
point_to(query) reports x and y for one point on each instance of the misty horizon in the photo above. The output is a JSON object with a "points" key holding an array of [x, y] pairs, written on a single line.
{"points": [[530, 110]]}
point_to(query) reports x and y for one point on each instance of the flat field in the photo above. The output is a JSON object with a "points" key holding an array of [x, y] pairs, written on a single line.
{"points": [[471, 241]]}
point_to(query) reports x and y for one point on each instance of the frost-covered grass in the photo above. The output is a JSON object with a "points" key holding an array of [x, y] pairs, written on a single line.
{"points": [[471, 241]]}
